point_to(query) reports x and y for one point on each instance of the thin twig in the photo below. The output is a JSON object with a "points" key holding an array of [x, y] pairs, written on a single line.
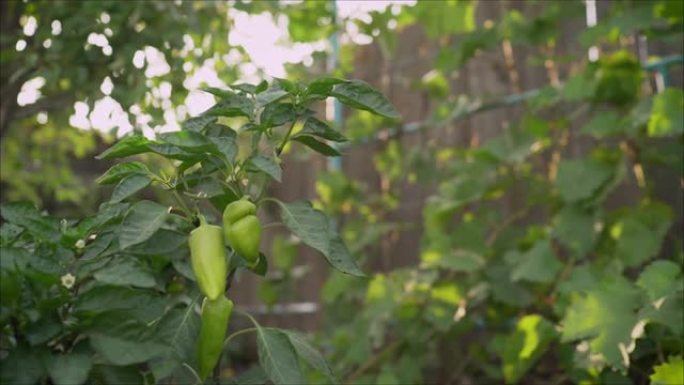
{"points": [[507, 222], [194, 373], [237, 333], [280, 148], [376, 359]]}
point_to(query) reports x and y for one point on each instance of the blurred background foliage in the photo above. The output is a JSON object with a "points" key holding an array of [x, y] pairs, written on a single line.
{"points": [[530, 268]]}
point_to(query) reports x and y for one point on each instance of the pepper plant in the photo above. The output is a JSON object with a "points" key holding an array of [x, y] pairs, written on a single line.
{"points": [[114, 298]]}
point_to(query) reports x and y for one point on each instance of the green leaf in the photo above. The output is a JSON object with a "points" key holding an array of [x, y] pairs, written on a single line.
{"points": [[221, 94], [309, 354], [226, 146], [659, 279], [277, 357], [252, 376], [198, 123], [174, 152], [22, 366], [574, 228], [130, 145], [340, 258], [27, 216], [605, 123], [287, 85], [70, 369], [268, 165], [317, 146], [504, 290], [124, 271], [179, 329], [640, 232], [446, 19], [304, 18], [362, 96], [522, 348], [120, 351], [189, 140], [9, 233], [233, 105], [307, 223], [456, 260], [579, 87], [270, 96], [139, 304], [606, 316], [316, 127], [513, 146], [43, 330], [14, 258], [249, 88], [107, 213], [580, 179], [539, 264], [162, 242], [128, 186], [128, 375], [468, 45], [99, 248], [323, 86], [666, 115], [667, 310], [142, 221], [669, 373], [638, 116], [276, 114], [388, 376], [120, 171]]}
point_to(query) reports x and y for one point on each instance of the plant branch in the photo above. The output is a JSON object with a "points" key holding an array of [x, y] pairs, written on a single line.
{"points": [[256, 324], [375, 360], [181, 202], [194, 373], [507, 222], [280, 148], [237, 333]]}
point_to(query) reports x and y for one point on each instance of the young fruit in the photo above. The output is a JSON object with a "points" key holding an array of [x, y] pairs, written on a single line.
{"points": [[242, 229], [215, 317], [208, 257]]}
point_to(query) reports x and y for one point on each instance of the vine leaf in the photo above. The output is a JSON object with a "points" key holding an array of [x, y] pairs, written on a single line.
{"points": [[671, 372], [606, 316]]}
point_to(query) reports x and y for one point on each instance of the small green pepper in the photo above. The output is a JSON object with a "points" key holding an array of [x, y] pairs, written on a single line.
{"points": [[242, 229], [215, 317], [208, 257]]}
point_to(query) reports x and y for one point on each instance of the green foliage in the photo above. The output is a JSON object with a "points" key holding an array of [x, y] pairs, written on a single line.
{"points": [[62, 52], [111, 297], [671, 372], [529, 271], [564, 285]]}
